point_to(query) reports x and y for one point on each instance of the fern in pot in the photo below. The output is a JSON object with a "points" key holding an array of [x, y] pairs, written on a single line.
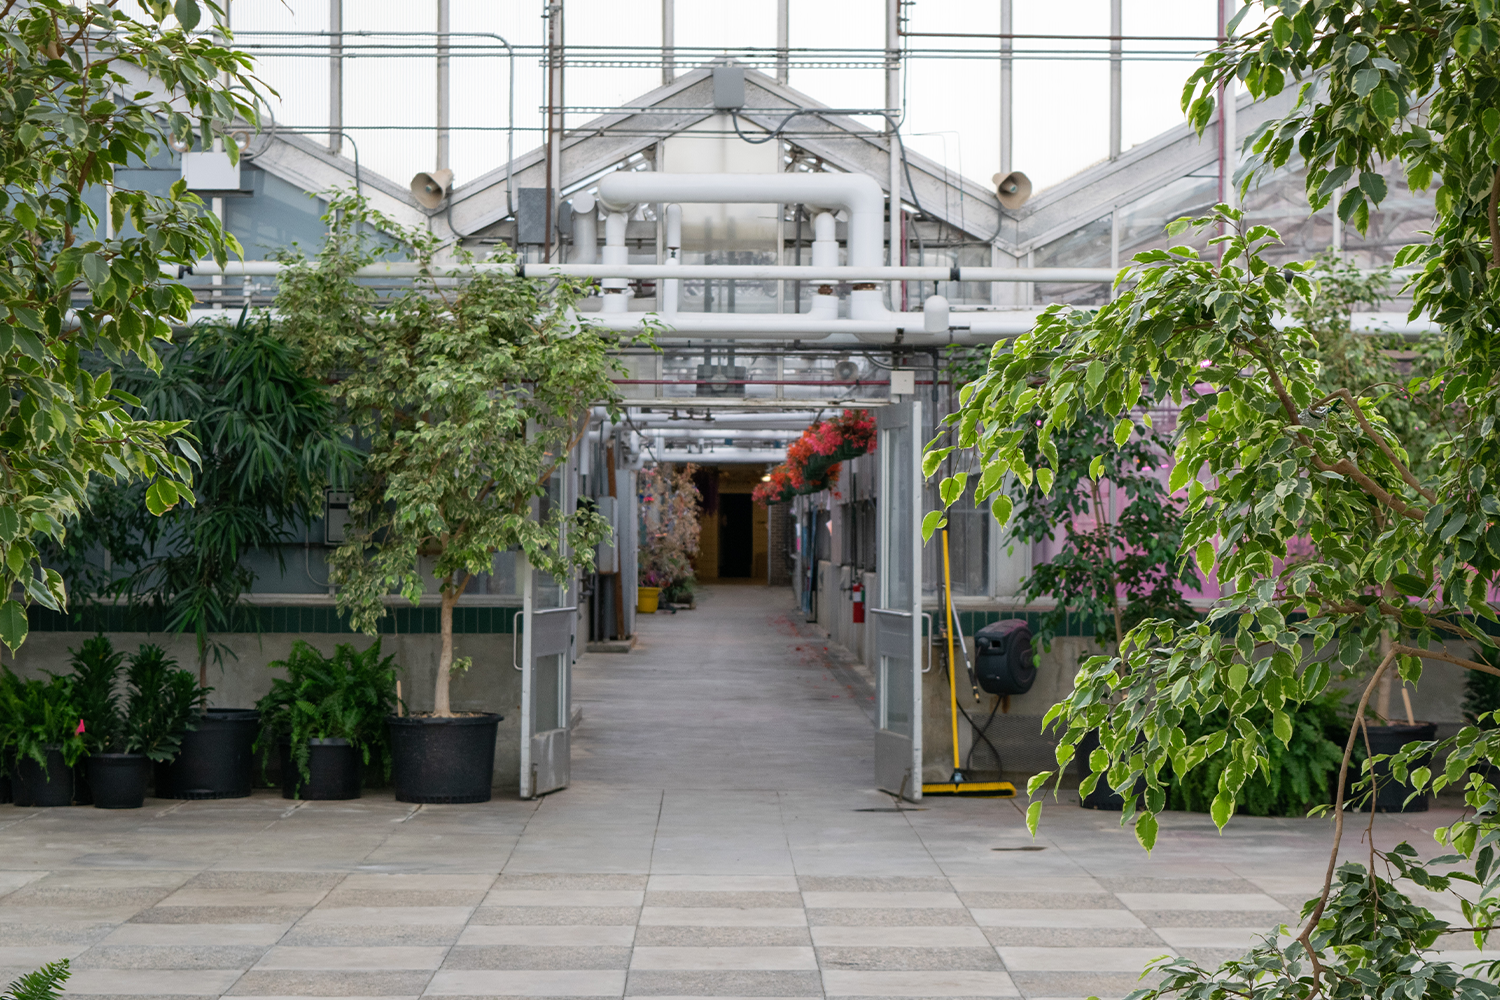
{"points": [[160, 710], [41, 737], [327, 720]]}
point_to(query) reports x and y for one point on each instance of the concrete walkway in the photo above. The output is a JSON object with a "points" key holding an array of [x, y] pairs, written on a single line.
{"points": [[720, 839]]}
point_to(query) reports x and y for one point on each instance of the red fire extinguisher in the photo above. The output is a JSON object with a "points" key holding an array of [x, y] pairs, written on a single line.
{"points": [[859, 603]]}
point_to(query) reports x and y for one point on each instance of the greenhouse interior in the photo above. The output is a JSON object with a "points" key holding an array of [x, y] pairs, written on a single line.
{"points": [[870, 498]]}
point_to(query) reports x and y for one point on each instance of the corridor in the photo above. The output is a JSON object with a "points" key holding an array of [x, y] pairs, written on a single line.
{"points": [[721, 839]]}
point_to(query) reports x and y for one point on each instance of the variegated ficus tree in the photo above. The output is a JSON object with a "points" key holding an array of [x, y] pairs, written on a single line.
{"points": [[1342, 563], [86, 90]]}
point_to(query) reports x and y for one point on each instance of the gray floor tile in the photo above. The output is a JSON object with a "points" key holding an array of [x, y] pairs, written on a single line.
{"points": [[1077, 984], [745, 899], [510, 880], [648, 936], [27, 935], [1227, 885], [537, 957], [555, 915], [42, 894], [367, 935], [723, 984], [528, 983], [218, 915], [908, 959], [1217, 918], [852, 883], [331, 984], [108, 956], [1042, 900], [403, 897], [1045, 937], [898, 917], [264, 881]]}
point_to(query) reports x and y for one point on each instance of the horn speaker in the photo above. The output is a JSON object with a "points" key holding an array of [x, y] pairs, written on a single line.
{"points": [[431, 188], [1013, 188]]}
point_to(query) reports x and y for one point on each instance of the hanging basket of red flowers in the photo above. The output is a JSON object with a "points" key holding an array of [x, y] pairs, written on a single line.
{"points": [[812, 461]]}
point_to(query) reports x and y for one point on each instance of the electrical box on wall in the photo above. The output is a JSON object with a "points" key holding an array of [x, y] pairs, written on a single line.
{"points": [[606, 553], [210, 171], [903, 382], [335, 516]]}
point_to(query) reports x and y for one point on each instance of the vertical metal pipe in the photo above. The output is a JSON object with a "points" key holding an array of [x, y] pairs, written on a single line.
{"points": [[1116, 29], [554, 121], [668, 41], [335, 76], [1007, 89], [893, 109], [444, 26], [783, 32]]}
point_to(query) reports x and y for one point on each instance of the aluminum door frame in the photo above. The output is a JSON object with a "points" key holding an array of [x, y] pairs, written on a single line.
{"points": [[552, 630], [898, 615]]}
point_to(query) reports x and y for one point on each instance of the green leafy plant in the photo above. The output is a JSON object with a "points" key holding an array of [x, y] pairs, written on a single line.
{"points": [[45, 983], [86, 90], [161, 704], [268, 445], [96, 674], [1297, 778], [670, 508], [347, 696], [37, 716], [469, 398]]}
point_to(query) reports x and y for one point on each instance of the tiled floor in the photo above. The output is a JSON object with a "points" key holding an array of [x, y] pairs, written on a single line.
{"points": [[720, 840]]}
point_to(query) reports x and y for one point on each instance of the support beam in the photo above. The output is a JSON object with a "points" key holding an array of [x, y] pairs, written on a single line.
{"points": [[1116, 29], [444, 103], [1007, 86], [668, 41], [554, 124], [335, 76], [783, 41]]}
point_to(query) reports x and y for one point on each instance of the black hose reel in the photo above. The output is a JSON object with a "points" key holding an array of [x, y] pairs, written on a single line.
{"points": [[1004, 662]]}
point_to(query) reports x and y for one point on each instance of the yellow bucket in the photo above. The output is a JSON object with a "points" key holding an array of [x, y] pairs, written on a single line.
{"points": [[646, 598]]}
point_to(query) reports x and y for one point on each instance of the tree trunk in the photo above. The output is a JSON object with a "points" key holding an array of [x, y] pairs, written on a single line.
{"points": [[1383, 689], [440, 703]]}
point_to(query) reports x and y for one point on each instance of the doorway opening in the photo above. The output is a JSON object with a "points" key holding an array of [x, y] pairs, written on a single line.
{"points": [[736, 536]]}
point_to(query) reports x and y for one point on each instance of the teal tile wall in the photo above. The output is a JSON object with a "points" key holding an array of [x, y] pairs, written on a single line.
{"points": [[467, 620]]}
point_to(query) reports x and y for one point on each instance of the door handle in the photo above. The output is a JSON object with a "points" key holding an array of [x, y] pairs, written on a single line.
{"points": [[515, 640]]}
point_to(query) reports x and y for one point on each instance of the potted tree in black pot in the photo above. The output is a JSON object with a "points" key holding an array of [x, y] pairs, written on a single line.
{"points": [[327, 720], [41, 735], [469, 399]]}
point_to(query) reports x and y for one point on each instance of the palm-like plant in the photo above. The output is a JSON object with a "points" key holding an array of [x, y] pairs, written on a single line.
{"points": [[267, 447], [161, 704], [96, 671], [346, 696]]}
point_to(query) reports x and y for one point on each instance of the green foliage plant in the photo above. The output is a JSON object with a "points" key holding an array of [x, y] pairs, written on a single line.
{"points": [[96, 674], [37, 716], [1301, 495], [670, 525], [86, 90], [45, 983], [468, 399], [161, 704], [347, 696], [268, 445], [1298, 775]]}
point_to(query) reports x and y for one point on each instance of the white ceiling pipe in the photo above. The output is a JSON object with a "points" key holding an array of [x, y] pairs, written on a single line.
{"points": [[585, 229], [616, 290], [857, 194], [728, 433], [738, 272], [722, 456]]}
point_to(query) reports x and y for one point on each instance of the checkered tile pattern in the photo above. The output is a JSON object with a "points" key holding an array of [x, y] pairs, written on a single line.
{"points": [[142, 933]]}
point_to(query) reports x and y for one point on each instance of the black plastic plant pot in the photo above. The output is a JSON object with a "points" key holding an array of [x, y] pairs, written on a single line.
{"points": [[1102, 797], [1390, 794], [83, 793], [118, 780], [5, 792], [216, 758], [335, 768], [44, 786], [443, 760]]}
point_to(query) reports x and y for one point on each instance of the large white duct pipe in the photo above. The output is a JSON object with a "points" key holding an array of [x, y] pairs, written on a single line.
{"points": [[616, 290], [857, 194], [585, 229]]}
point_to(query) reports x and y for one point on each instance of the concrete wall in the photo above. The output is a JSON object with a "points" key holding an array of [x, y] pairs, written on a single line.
{"points": [[491, 685]]}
